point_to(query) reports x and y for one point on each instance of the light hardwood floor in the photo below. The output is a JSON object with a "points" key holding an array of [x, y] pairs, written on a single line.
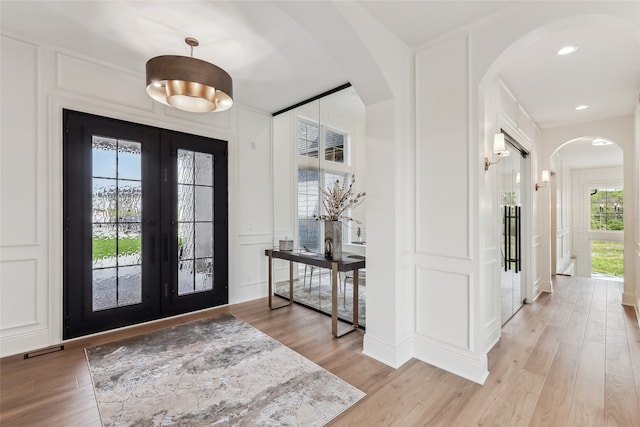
{"points": [[570, 359]]}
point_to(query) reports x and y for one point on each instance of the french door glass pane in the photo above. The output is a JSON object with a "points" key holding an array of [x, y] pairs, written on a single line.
{"points": [[195, 222], [117, 223]]}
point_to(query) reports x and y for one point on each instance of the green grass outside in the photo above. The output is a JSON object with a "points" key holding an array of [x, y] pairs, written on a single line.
{"points": [[104, 248], [607, 257]]}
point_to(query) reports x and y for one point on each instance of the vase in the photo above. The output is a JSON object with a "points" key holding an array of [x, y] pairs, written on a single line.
{"points": [[333, 240]]}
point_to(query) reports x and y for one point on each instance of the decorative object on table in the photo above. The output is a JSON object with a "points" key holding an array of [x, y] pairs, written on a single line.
{"points": [[216, 371], [285, 245], [337, 201]]}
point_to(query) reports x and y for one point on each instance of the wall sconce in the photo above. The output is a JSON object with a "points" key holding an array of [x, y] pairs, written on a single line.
{"points": [[498, 148], [545, 179]]}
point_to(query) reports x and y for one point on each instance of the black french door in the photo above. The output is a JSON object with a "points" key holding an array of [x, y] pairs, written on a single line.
{"points": [[145, 223]]}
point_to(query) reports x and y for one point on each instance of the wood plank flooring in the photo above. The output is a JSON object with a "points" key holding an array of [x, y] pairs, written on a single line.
{"points": [[572, 358]]}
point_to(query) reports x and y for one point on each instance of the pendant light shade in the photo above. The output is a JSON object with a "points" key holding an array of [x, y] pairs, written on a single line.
{"points": [[188, 83]]}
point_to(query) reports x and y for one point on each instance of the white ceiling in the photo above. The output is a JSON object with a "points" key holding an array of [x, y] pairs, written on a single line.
{"points": [[275, 62], [582, 154]]}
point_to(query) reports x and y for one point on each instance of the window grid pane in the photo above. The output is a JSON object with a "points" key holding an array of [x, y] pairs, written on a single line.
{"points": [[308, 139], [333, 146], [195, 222], [308, 209], [117, 223], [607, 209]]}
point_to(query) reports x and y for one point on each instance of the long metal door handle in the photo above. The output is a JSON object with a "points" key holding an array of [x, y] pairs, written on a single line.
{"points": [[506, 239], [166, 248], [518, 239], [153, 249]]}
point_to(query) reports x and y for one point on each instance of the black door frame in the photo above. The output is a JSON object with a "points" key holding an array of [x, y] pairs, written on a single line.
{"points": [[159, 213]]}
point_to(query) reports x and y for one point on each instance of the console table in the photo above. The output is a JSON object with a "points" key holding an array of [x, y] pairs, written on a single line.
{"points": [[349, 262]]}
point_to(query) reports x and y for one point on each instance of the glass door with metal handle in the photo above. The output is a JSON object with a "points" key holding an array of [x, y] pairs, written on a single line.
{"points": [[512, 182], [512, 250], [145, 214]]}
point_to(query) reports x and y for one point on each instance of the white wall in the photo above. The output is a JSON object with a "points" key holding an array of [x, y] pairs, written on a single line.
{"points": [[38, 81], [561, 227], [390, 186], [635, 278]]}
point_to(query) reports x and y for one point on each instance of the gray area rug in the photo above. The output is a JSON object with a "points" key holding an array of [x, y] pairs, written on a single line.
{"points": [[218, 371], [318, 295]]}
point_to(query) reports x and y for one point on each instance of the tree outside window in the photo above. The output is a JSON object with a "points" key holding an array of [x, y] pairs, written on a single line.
{"points": [[607, 207]]}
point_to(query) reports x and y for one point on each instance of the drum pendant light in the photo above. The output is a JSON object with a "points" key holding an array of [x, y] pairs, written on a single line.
{"points": [[188, 83]]}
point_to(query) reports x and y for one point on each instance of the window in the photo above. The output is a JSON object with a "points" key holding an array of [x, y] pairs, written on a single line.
{"points": [[607, 205], [116, 223], [308, 209], [322, 159], [333, 146], [308, 139]]}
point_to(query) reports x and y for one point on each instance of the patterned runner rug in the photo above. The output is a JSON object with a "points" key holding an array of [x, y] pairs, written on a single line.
{"points": [[217, 371]]}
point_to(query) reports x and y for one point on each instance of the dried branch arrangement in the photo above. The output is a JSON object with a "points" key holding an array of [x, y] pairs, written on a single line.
{"points": [[340, 199]]}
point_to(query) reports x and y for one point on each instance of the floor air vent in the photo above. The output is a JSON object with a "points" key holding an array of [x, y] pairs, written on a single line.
{"points": [[44, 351]]}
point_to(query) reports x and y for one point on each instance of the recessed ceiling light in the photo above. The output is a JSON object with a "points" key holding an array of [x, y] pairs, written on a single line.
{"points": [[581, 107], [600, 142], [567, 50]]}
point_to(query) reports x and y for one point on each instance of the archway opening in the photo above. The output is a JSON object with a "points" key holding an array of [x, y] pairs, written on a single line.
{"points": [[587, 232]]}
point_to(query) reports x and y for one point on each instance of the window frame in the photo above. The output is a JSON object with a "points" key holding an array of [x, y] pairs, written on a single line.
{"points": [[323, 167]]}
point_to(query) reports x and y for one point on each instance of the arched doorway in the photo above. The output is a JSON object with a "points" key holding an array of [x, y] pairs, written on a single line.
{"points": [[587, 209]]}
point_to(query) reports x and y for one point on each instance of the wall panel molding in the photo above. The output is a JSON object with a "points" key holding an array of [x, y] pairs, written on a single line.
{"points": [[447, 232], [80, 75], [443, 314], [463, 363], [19, 293], [20, 148], [389, 354]]}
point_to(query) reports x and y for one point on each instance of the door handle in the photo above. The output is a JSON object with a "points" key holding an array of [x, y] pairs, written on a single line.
{"points": [[518, 240], [153, 249], [506, 253], [166, 248]]}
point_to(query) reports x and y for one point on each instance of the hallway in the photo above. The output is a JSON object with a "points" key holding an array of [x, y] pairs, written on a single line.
{"points": [[574, 356]]}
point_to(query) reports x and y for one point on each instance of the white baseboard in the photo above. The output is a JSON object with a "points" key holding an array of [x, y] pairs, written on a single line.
{"points": [[23, 342], [629, 299], [494, 331], [391, 355], [545, 286], [463, 363]]}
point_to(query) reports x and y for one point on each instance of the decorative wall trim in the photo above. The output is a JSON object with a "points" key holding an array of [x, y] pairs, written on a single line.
{"points": [[492, 333], [394, 356], [466, 364], [536, 292], [23, 342], [544, 286], [71, 72], [268, 235], [459, 317]]}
